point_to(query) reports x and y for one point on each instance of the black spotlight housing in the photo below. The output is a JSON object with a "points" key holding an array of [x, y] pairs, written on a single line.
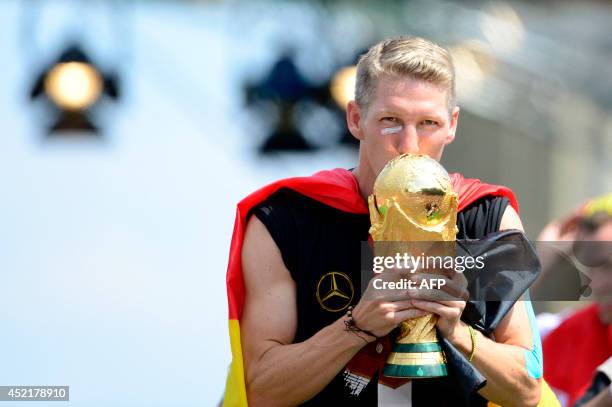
{"points": [[285, 87]]}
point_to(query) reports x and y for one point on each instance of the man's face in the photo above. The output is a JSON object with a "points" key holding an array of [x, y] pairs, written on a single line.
{"points": [[404, 116]]}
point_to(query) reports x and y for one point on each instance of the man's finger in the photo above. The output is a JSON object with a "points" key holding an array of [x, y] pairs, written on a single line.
{"points": [[412, 313], [402, 305], [443, 308]]}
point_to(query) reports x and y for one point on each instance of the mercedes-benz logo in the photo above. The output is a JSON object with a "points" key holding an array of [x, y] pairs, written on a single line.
{"points": [[335, 291]]}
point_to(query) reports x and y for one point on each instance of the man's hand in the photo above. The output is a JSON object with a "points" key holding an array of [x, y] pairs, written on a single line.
{"points": [[448, 302], [381, 310]]}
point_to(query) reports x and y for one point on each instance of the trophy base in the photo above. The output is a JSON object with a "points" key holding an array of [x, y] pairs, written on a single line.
{"points": [[416, 360]]}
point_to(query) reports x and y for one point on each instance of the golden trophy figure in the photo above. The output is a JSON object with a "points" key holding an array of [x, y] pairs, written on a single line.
{"points": [[413, 201]]}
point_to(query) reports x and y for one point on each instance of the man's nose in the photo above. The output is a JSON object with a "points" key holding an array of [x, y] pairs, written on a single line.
{"points": [[408, 141]]}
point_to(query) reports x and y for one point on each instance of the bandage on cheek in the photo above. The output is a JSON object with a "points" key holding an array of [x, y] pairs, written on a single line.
{"points": [[391, 130]]}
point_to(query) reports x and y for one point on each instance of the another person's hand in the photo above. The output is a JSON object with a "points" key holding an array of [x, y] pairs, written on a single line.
{"points": [[563, 229]]}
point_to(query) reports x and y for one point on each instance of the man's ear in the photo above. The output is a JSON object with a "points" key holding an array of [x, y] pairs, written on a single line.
{"points": [[353, 118], [453, 125]]}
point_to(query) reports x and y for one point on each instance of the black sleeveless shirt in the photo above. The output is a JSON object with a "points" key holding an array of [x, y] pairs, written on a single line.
{"points": [[321, 247]]}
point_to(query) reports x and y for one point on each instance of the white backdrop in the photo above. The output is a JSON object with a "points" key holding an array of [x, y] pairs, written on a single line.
{"points": [[113, 254]]}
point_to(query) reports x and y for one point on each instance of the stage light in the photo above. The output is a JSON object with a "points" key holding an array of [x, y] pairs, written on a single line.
{"points": [[342, 87], [502, 27], [285, 87], [73, 85], [474, 63], [296, 100], [342, 91]]}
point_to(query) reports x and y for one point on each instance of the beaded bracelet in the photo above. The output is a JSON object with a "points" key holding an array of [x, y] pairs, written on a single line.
{"points": [[351, 325]]}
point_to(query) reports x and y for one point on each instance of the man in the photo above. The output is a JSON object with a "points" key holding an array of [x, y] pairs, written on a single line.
{"points": [[583, 340], [300, 251]]}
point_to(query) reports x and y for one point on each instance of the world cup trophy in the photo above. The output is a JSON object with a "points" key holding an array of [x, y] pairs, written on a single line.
{"points": [[413, 201]]}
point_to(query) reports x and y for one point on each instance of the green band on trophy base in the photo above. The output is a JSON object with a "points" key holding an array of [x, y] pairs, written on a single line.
{"points": [[416, 360], [416, 347], [414, 371]]}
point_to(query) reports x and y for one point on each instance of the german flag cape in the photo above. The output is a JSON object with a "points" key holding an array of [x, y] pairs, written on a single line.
{"points": [[337, 188]]}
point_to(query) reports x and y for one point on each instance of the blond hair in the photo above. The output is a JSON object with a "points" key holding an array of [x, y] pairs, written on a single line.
{"points": [[411, 57]]}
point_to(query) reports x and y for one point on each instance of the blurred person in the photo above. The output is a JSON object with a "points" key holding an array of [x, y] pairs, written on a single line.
{"points": [[599, 393], [560, 278], [290, 341], [583, 339]]}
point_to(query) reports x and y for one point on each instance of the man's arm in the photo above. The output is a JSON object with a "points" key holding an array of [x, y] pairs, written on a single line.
{"points": [[603, 399], [277, 371], [501, 361]]}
